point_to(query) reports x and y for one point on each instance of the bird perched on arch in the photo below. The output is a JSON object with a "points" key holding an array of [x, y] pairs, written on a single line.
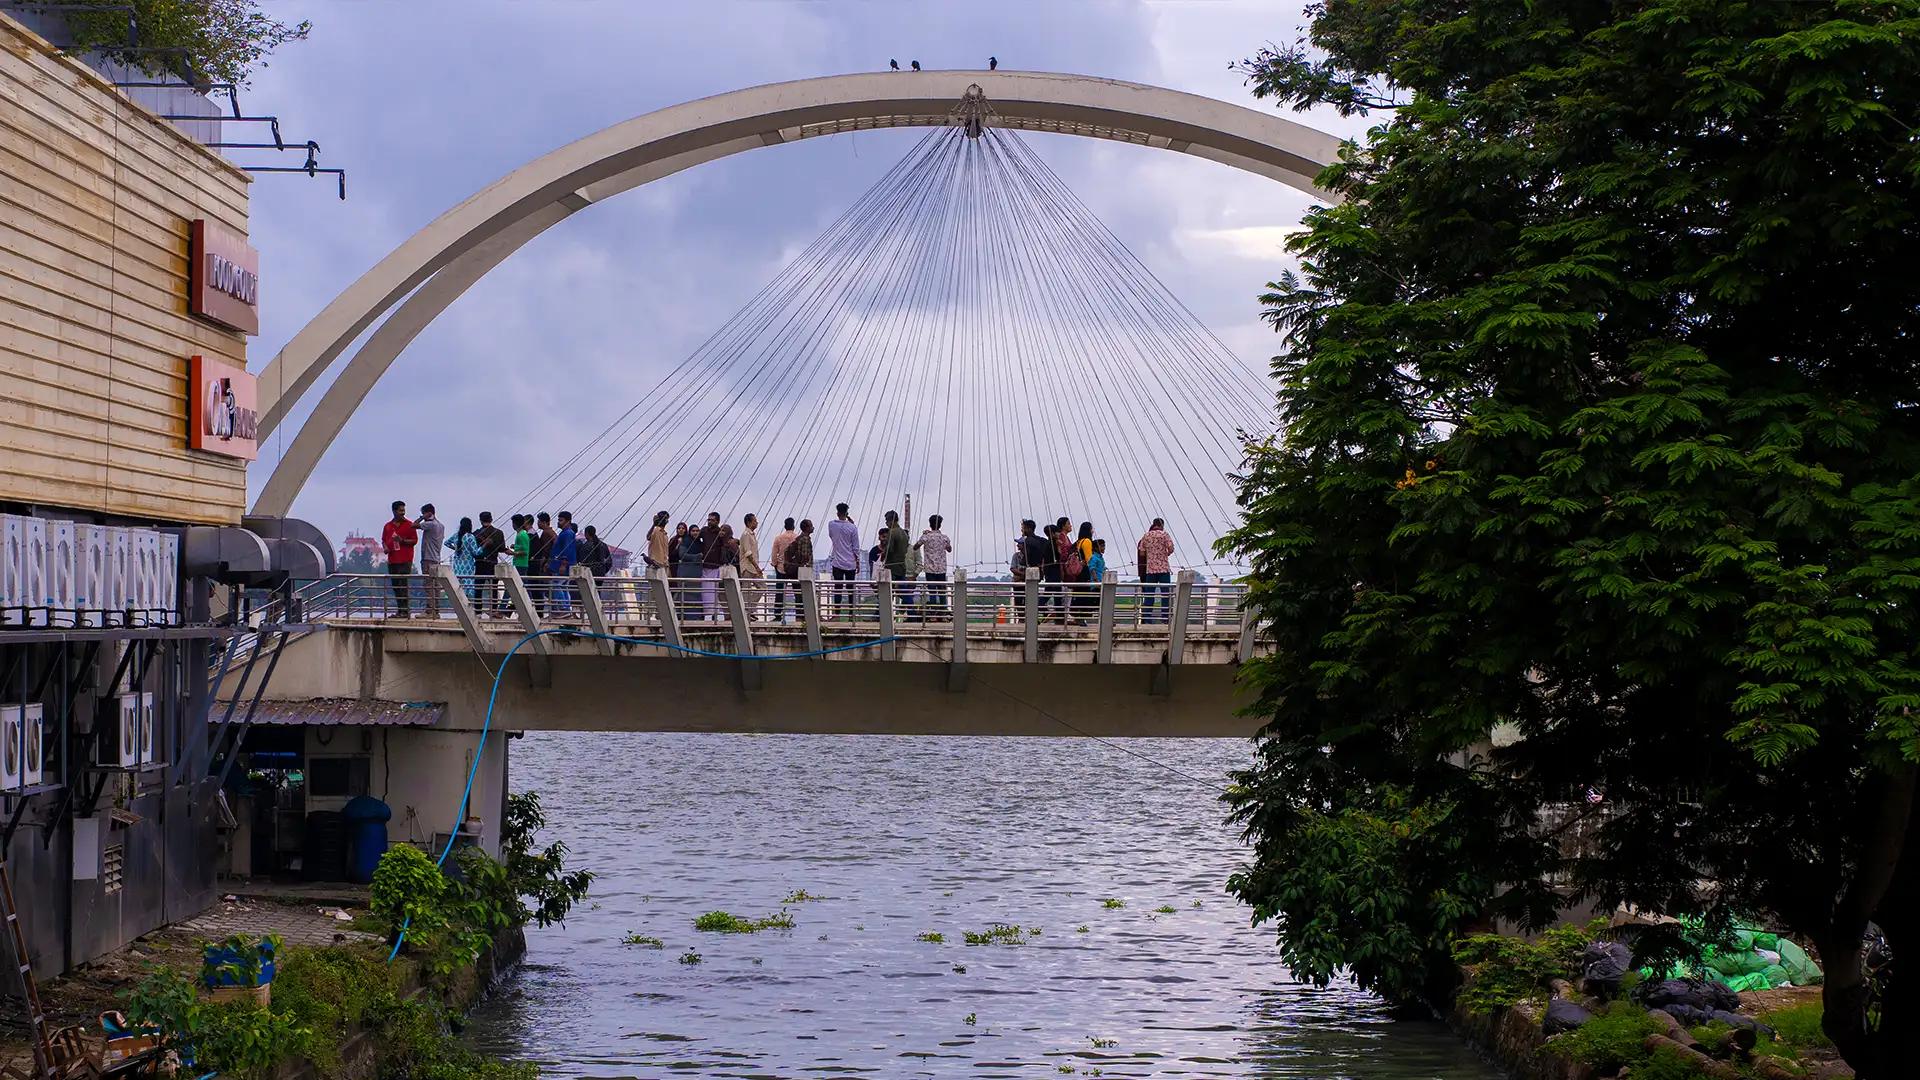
{"points": [[894, 64], [993, 63], [916, 65]]}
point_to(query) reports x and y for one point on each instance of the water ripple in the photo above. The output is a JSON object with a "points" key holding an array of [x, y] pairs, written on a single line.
{"points": [[902, 836]]}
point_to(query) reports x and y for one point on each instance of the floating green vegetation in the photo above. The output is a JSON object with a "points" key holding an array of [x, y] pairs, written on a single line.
{"points": [[1064, 1068], [997, 934], [1165, 909], [959, 969], [721, 922], [1112, 902], [1196, 905], [931, 937], [689, 957], [644, 941], [970, 1019], [1102, 1044], [801, 896], [1081, 929]]}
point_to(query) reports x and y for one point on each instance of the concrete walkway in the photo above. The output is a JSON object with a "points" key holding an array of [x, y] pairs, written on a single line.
{"points": [[296, 923]]}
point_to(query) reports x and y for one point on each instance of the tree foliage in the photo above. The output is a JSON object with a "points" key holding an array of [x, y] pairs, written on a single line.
{"points": [[219, 40], [1599, 391]]}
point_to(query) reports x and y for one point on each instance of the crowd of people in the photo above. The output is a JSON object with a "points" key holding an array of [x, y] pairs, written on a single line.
{"points": [[541, 547]]}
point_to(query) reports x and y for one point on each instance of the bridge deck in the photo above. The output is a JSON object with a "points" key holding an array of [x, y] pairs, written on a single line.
{"points": [[1186, 621]]}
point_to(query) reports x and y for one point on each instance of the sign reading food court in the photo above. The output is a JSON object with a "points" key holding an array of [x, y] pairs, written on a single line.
{"points": [[224, 277], [223, 409]]}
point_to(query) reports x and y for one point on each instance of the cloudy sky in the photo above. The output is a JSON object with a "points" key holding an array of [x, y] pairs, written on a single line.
{"points": [[426, 101]]}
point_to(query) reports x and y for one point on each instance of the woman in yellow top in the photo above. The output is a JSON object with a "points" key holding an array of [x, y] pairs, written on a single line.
{"points": [[1087, 598]]}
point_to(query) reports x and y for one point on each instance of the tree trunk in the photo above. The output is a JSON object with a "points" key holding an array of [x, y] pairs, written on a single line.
{"points": [[1884, 891]]}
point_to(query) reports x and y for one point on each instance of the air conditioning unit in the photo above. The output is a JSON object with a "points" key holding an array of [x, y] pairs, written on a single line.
{"points": [[13, 747], [119, 573], [33, 761], [12, 582], [145, 592], [120, 743], [90, 587], [63, 572], [35, 588], [169, 574], [149, 731]]}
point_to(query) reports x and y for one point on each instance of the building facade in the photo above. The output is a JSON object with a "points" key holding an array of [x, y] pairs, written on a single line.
{"points": [[127, 293]]}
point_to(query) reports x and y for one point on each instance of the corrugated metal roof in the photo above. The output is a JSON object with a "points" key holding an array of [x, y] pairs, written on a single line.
{"points": [[339, 711]]}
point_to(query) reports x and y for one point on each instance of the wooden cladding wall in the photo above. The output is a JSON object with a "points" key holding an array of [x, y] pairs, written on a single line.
{"points": [[97, 197]]}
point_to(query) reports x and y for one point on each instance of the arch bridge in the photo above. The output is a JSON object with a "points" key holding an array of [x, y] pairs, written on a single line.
{"points": [[416, 283]]}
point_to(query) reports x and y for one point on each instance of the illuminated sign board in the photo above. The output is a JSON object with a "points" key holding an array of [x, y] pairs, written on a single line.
{"points": [[223, 277], [223, 415]]}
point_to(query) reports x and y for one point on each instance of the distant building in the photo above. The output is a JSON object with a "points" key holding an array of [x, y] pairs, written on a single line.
{"points": [[361, 555]]}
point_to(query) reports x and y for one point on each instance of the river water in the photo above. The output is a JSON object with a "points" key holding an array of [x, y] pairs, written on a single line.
{"points": [[904, 837]]}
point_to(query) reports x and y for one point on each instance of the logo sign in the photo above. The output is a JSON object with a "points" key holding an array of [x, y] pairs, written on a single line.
{"points": [[224, 277], [223, 411]]}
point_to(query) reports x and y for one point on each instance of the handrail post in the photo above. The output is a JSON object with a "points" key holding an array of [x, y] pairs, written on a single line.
{"points": [[522, 603], [736, 600], [1103, 647], [462, 606], [1182, 603], [1248, 624], [957, 598], [883, 601], [1032, 614], [663, 606], [539, 665], [589, 590], [810, 608]]}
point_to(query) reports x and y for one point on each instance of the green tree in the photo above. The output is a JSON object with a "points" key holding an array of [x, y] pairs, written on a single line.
{"points": [[219, 40], [1599, 399]]}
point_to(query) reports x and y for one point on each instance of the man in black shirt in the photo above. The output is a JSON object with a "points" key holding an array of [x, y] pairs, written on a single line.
{"points": [[491, 542]]}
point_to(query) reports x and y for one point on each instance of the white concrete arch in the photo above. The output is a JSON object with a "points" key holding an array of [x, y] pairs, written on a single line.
{"points": [[444, 259]]}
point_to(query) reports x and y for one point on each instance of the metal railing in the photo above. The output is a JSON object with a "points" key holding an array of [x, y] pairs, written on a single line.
{"points": [[665, 607]]}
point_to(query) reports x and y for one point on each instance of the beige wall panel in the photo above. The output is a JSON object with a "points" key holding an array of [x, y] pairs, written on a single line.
{"points": [[99, 129], [96, 199]]}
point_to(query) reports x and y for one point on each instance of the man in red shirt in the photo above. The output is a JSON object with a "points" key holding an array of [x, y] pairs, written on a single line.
{"points": [[398, 537]]}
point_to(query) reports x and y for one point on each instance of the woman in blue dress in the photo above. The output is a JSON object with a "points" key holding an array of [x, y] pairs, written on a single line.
{"points": [[465, 550]]}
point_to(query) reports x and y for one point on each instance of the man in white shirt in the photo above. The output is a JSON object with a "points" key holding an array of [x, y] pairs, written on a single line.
{"points": [[935, 549], [750, 573], [845, 538]]}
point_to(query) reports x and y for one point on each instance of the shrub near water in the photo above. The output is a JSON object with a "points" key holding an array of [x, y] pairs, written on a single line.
{"points": [[1503, 971], [1609, 1040]]}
